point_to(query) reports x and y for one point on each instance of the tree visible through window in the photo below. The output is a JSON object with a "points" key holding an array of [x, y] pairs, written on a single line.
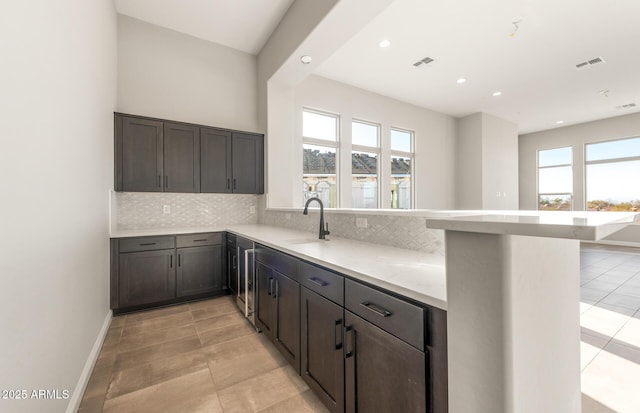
{"points": [[555, 179], [612, 171]]}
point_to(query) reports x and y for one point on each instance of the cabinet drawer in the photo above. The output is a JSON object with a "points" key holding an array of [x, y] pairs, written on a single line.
{"points": [[398, 317], [146, 244], [326, 283], [199, 240], [280, 262]]}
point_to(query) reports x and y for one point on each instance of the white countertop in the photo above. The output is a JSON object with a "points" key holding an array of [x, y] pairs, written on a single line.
{"points": [[413, 274], [587, 226]]}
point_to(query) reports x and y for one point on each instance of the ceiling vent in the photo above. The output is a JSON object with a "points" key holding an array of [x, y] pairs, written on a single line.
{"points": [[424, 61], [627, 106], [589, 63]]}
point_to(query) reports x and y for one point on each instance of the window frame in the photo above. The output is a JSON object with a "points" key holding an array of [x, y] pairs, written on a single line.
{"points": [[377, 150], [403, 154], [538, 168]]}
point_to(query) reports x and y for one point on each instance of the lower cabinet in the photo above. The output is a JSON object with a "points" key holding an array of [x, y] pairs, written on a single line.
{"points": [[199, 270], [382, 372], [146, 277], [322, 363], [151, 271]]}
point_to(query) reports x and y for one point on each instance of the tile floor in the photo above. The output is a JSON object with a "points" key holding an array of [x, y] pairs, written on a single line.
{"points": [[203, 357]]}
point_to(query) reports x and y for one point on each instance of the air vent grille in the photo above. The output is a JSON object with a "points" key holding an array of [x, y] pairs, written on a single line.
{"points": [[424, 61], [627, 106], [589, 63]]}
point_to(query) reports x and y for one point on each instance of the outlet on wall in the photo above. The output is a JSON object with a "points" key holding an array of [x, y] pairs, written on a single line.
{"points": [[361, 222], [166, 209]]}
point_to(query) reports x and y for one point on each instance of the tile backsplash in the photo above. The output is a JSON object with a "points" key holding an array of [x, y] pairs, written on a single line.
{"points": [[145, 210], [408, 232]]}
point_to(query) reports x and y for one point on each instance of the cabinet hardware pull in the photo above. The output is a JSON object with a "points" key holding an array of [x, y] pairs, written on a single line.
{"points": [[159, 181], [234, 183], [376, 309], [199, 240], [228, 183], [318, 281], [171, 261], [276, 295], [270, 291], [349, 344], [338, 331], [147, 243], [179, 259]]}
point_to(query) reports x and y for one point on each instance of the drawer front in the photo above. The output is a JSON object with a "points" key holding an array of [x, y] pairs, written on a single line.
{"points": [[324, 282], [199, 240], [146, 244], [280, 262], [398, 317]]}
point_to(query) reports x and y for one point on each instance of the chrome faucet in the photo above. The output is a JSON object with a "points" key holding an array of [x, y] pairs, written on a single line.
{"points": [[323, 231]]}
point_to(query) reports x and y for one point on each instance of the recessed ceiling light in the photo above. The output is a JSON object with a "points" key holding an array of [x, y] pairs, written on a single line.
{"points": [[385, 43], [496, 93], [559, 122], [306, 59], [461, 80]]}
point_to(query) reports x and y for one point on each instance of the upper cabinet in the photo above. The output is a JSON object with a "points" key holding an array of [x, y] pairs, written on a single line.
{"points": [[153, 155]]}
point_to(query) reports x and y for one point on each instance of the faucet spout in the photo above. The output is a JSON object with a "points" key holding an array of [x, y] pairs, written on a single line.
{"points": [[324, 229]]}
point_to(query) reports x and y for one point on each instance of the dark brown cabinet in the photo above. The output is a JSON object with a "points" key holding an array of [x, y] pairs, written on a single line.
{"points": [[382, 372], [155, 155], [278, 302], [232, 264], [138, 155], [322, 364], [232, 162], [162, 270], [181, 158]]}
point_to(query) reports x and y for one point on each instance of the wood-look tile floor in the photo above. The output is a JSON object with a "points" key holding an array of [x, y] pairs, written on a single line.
{"points": [[197, 357]]}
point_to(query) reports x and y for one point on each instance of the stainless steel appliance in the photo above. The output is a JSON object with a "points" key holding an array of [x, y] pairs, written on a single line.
{"points": [[245, 297]]}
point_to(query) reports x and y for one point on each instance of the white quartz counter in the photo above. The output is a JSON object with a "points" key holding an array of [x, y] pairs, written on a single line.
{"points": [[413, 274], [587, 226]]}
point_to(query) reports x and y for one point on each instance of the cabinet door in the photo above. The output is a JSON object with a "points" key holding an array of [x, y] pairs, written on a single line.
{"points": [[265, 306], [322, 363], [248, 163], [215, 160], [199, 270], [139, 153], [181, 158], [232, 268], [146, 277], [287, 332], [383, 373]]}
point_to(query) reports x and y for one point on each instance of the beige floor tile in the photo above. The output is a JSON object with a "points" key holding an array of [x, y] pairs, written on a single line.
{"points": [[198, 305], [155, 313], [219, 321], [220, 308], [117, 321], [603, 321], [97, 386], [157, 323], [227, 333], [111, 340], [158, 371], [630, 333], [262, 391], [305, 402], [135, 341], [234, 361], [154, 352], [104, 364], [611, 379], [590, 405], [91, 405], [192, 393]]}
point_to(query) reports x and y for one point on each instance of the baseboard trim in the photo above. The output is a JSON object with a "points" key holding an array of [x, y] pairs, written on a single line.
{"points": [[76, 396]]}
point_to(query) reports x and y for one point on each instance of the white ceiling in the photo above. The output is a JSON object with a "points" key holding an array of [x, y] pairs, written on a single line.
{"points": [[534, 70], [241, 24]]}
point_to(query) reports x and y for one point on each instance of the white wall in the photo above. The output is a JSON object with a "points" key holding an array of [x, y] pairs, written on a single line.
{"points": [[58, 95], [486, 163], [575, 136], [170, 75], [434, 138]]}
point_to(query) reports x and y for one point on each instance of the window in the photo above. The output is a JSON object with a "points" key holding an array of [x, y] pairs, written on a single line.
{"points": [[401, 169], [555, 179], [612, 171], [319, 157], [365, 138]]}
